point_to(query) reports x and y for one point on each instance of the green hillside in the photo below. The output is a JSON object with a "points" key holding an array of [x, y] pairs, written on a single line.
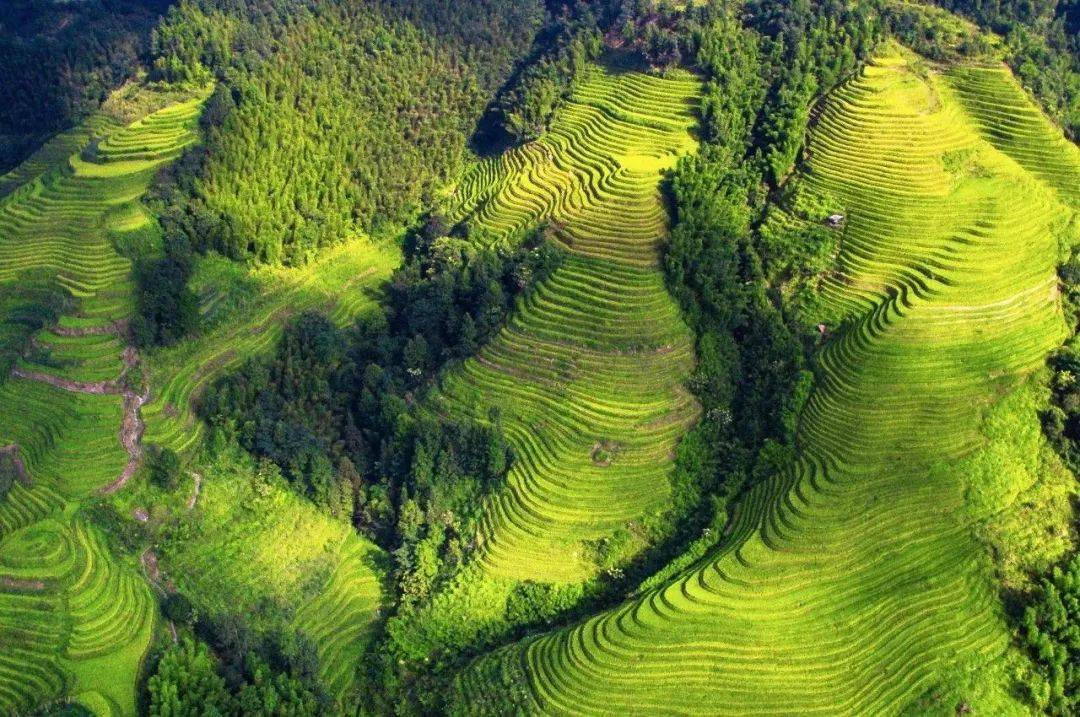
{"points": [[602, 357], [856, 583], [588, 373], [587, 377], [68, 392], [68, 399], [79, 619]]}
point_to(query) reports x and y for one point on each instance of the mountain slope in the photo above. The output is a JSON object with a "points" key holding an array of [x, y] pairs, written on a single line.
{"points": [[65, 399], [74, 417], [586, 378], [856, 584], [588, 373]]}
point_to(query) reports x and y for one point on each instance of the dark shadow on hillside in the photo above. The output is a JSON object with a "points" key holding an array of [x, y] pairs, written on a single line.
{"points": [[621, 60]]}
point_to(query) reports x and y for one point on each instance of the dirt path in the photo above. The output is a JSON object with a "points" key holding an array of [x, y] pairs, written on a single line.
{"points": [[21, 583], [131, 425], [148, 561], [99, 388], [12, 449], [195, 494]]}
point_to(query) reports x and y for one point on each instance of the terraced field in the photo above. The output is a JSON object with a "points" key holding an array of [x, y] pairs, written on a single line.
{"points": [[65, 212], [854, 584], [55, 152], [64, 406], [72, 620], [588, 373], [340, 618], [77, 621], [249, 544], [343, 283]]}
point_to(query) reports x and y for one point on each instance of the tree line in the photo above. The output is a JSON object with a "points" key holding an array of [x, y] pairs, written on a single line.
{"points": [[334, 118], [60, 61]]}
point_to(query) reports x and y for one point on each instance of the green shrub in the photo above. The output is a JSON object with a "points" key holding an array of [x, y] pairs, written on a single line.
{"points": [[165, 467], [1050, 630], [178, 608]]}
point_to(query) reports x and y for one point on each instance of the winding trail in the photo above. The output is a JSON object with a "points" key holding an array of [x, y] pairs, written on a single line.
{"points": [[131, 425], [197, 478]]}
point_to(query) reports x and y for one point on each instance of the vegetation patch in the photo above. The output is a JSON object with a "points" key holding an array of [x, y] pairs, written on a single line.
{"points": [[604, 452]]}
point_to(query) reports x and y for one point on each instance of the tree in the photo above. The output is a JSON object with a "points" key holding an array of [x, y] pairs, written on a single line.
{"points": [[165, 466], [178, 608], [167, 310], [275, 694], [533, 109], [1050, 629], [185, 684], [662, 47]]}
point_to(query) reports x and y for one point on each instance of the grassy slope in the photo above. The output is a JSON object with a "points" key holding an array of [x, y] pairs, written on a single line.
{"points": [[78, 619], [63, 211], [588, 373], [857, 584], [595, 357], [73, 619], [343, 282], [252, 547]]}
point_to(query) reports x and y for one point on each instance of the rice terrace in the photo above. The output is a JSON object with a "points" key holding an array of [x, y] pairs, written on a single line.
{"points": [[560, 357]]}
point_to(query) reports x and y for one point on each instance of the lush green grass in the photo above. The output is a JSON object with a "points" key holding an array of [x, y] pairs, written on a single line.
{"points": [[857, 582], [254, 548]]}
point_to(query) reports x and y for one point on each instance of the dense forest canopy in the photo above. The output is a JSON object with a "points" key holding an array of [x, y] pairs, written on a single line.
{"points": [[333, 118]]}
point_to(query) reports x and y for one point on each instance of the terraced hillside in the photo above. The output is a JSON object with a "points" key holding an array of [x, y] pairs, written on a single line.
{"points": [[77, 620], [340, 618], [248, 544], [342, 283], [855, 583], [72, 620], [65, 404], [76, 419], [588, 373]]}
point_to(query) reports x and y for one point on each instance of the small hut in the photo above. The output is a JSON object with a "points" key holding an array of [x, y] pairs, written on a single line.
{"points": [[836, 220]]}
